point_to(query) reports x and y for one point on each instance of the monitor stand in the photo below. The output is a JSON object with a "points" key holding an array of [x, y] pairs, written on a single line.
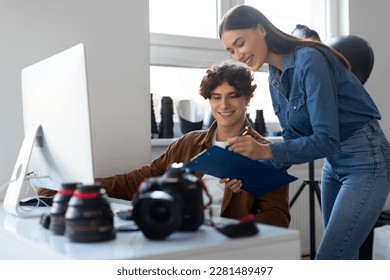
{"points": [[16, 186]]}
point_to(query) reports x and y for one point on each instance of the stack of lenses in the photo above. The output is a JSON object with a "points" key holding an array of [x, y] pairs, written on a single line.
{"points": [[166, 124]]}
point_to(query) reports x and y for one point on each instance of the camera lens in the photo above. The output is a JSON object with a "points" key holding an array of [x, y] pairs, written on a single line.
{"points": [[89, 217], [59, 206], [157, 214]]}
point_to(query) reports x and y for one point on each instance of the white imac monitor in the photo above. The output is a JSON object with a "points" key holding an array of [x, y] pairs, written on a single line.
{"points": [[57, 145]]}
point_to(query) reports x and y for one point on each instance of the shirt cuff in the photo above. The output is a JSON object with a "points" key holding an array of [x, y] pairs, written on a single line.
{"points": [[279, 155]]}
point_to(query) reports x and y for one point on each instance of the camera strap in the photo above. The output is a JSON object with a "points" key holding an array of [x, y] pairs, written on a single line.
{"points": [[245, 227]]}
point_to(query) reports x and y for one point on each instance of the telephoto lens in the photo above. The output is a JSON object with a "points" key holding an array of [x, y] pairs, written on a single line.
{"points": [[59, 206], [259, 124], [153, 116], [166, 123], [89, 217]]}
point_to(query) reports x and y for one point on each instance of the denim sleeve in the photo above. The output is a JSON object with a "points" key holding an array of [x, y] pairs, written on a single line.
{"points": [[271, 163]]}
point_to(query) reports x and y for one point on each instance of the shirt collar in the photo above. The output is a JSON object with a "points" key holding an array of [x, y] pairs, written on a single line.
{"points": [[209, 138]]}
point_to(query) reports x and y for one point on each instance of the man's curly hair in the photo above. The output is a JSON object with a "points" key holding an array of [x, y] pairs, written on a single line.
{"points": [[238, 75]]}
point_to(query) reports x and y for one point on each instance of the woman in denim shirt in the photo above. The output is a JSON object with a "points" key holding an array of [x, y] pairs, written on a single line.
{"points": [[324, 112]]}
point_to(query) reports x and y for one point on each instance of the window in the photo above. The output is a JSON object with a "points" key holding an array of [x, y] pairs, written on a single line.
{"points": [[189, 18], [306, 12], [185, 43]]}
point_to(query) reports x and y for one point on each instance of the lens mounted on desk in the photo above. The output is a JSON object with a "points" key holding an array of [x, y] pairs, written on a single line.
{"points": [[89, 217], [59, 206]]}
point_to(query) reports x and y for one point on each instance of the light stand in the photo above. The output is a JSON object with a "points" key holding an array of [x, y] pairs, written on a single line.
{"points": [[314, 188]]}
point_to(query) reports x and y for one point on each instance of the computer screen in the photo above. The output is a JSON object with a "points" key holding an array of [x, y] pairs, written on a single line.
{"points": [[57, 147]]}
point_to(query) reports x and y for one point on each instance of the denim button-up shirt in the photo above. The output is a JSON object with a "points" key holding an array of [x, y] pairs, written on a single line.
{"points": [[319, 103]]}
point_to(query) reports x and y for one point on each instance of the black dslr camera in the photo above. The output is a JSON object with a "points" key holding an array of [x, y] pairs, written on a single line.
{"points": [[171, 202]]}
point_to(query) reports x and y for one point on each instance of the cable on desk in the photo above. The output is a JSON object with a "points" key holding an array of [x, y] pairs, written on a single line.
{"points": [[27, 178], [7, 183]]}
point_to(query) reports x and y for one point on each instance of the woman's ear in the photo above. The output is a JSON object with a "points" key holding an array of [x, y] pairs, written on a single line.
{"points": [[261, 30]]}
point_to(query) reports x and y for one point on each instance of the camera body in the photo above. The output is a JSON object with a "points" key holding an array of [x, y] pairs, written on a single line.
{"points": [[171, 202]]}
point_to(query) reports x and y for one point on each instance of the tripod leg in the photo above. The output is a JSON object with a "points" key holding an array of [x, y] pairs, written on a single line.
{"points": [[318, 192], [312, 223], [295, 197], [314, 190]]}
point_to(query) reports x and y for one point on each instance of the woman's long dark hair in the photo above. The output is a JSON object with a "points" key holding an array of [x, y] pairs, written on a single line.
{"points": [[279, 42]]}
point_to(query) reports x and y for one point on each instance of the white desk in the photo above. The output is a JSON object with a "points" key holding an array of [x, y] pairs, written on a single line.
{"points": [[25, 238]]}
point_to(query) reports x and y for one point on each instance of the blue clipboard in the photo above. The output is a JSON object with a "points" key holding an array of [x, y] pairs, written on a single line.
{"points": [[257, 177]]}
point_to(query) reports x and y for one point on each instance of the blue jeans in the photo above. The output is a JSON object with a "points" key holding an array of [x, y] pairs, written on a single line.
{"points": [[355, 185]]}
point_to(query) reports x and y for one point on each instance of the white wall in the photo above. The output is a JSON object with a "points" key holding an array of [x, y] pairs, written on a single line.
{"points": [[116, 37], [370, 20]]}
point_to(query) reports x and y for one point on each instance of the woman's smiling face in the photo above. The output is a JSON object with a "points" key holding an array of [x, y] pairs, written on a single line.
{"points": [[247, 46]]}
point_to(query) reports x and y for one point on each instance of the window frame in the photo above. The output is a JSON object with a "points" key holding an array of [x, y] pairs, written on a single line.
{"points": [[185, 51]]}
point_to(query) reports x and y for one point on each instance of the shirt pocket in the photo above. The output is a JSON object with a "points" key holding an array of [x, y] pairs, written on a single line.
{"points": [[298, 114], [296, 104]]}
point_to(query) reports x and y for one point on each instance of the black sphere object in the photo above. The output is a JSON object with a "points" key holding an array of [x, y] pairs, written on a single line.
{"points": [[358, 52]]}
